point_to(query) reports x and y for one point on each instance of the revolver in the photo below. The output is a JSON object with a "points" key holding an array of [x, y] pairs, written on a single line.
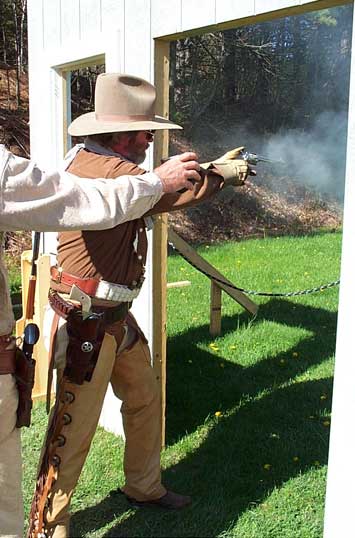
{"points": [[254, 159]]}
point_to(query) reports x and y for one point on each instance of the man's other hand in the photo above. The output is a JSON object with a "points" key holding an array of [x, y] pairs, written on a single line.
{"points": [[179, 172], [232, 167]]}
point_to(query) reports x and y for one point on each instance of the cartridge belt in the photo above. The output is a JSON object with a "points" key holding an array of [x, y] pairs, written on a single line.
{"points": [[65, 309], [98, 288], [7, 356]]}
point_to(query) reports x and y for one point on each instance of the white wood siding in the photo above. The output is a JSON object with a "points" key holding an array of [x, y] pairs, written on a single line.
{"points": [[138, 38], [112, 14], [230, 9], [266, 6], [51, 24], [70, 21], [90, 18], [340, 499], [195, 14], [166, 17]]}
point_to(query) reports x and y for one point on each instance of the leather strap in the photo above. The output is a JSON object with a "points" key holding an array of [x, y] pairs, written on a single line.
{"points": [[53, 338], [113, 314], [7, 356], [87, 285]]}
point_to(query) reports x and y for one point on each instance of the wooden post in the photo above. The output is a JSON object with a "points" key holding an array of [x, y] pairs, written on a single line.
{"points": [[202, 265], [161, 79], [215, 309]]}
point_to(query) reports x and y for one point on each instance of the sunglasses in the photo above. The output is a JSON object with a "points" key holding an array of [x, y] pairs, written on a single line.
{"points": [[149, 135]]}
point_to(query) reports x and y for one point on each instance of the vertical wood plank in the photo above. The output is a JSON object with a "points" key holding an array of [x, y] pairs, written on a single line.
{"points": [[26, 258], [215, 309], [51, 24], [34, 29], [41, 301], [70, 21], [90, 18], [161, 79], [166, 17], [66, 93], [137, 38], [112, 14]]}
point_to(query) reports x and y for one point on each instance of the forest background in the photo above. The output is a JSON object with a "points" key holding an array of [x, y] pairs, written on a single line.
{"points": [[278, 87]]}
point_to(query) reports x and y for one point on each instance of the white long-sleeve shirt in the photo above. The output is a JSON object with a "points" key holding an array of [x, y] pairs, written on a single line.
{"points": [[31, 199]]}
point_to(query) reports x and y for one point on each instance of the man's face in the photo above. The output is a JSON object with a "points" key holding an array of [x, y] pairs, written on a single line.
{"points": [[134, 147]]}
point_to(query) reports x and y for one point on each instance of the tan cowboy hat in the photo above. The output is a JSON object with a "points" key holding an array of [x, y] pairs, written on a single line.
{"points": [[122, 103]]}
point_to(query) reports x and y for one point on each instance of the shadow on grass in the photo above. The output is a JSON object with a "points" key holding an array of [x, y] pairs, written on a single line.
{"points": [[226, 473], [199, 388]]}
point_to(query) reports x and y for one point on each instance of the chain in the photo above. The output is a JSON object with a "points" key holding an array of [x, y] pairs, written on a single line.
{"points": [[253, 292]]}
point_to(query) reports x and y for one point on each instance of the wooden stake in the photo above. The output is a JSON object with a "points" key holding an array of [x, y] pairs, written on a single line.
{"points": [[215, 309]]}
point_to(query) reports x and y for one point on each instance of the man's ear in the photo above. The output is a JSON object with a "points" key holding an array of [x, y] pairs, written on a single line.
{"points": [[120, 142]]}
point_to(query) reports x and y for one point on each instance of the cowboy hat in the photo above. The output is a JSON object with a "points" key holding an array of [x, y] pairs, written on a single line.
{"points": [[122, 103]]}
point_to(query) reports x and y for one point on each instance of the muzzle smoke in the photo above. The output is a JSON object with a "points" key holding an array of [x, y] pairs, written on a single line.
{"points": [[315, 157]]}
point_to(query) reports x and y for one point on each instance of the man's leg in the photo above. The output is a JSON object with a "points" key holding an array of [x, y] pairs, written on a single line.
{"points": [[11, 506], [84, 413], [134, 382]]}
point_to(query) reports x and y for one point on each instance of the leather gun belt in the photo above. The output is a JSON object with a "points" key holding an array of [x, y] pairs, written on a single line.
{"points": [[65, 309]]}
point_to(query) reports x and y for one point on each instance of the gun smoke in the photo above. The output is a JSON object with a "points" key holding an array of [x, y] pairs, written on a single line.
{"points": [[315, 158]]}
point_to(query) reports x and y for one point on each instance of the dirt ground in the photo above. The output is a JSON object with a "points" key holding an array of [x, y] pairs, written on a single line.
{"points": [[269, 204]]}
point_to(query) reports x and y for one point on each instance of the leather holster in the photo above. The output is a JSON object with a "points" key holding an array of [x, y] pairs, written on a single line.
{"points": [[25, 376], [85, 339], [14, 361]]}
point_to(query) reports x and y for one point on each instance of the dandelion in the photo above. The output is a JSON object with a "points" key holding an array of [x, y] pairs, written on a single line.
{"points": [[218, 414], [295, 459], [295, 354], [323, 397], [267, 466], [326, 423]]}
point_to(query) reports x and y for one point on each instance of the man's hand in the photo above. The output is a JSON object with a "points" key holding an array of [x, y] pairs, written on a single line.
{"points": [[233, 169], [179, 172]]}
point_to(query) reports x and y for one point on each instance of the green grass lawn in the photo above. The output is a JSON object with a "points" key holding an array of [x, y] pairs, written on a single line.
{"points": [[248, 413]]}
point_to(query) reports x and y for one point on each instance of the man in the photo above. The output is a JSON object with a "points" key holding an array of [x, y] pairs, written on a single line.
{"points": [[105, 271], [32, 199]]}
